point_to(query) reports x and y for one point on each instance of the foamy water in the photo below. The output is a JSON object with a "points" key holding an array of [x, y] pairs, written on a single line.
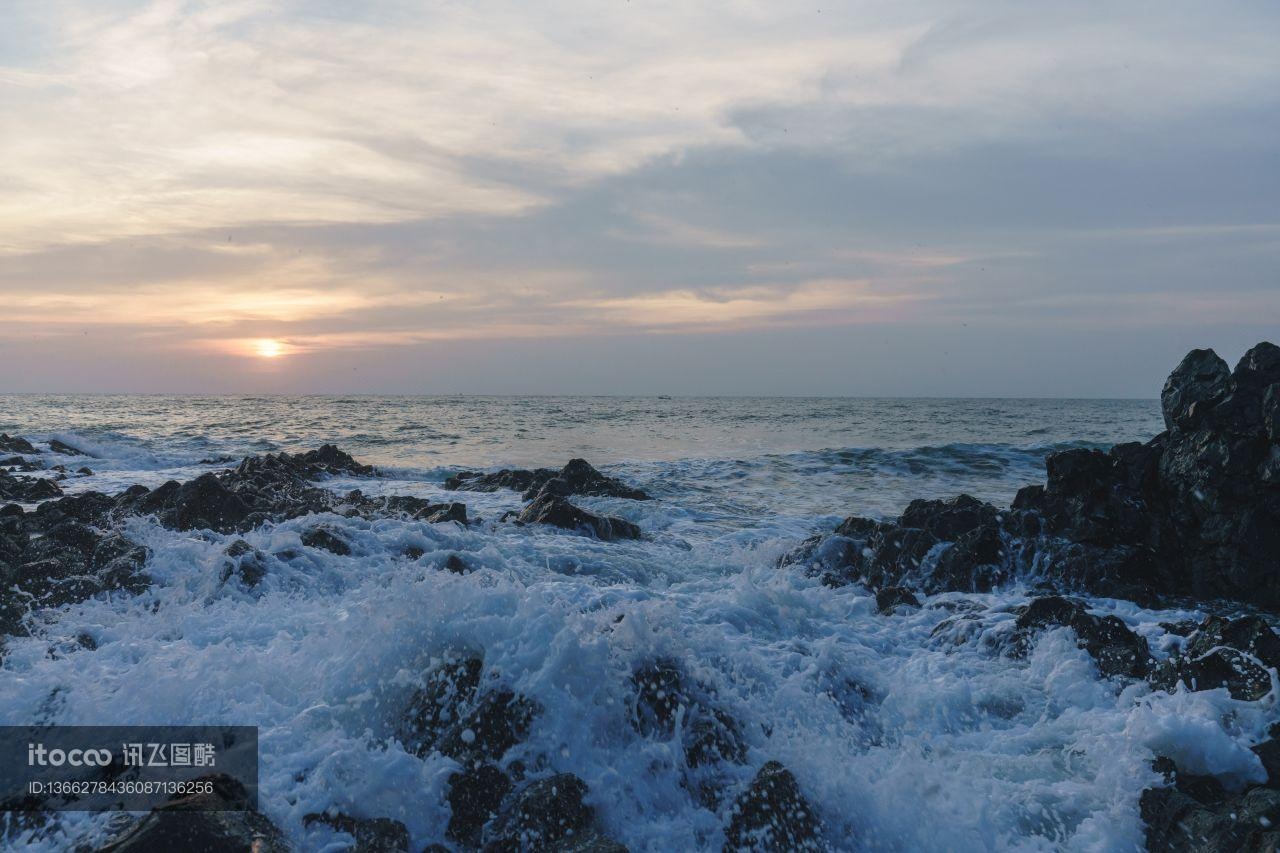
{"points": [[948, 746]]}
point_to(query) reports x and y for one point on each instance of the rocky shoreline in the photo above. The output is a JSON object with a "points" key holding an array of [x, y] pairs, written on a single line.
{"points": [[1192, 515]]}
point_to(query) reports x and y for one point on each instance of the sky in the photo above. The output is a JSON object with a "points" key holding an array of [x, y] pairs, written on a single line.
{"points": [[867, 198]]}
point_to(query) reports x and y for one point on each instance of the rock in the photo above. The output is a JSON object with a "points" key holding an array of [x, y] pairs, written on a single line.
{"points": [[500, 720], [665, 696], [177, 825], [475, 795], [456, 564], [558, 512], [372, 835], [446, 512], [15, 444], [1223, 667], [1114, 647], [51, 560], [205, 503], [245, 562], [65, 449], [891, 598], [976, 562], [326, 539], [578, 477], [27, 489], [1193, 512], [1198, 383], [1231, 653], [772, 815], [1195, 813], [948, 520], [448, 690], [545, 816]]}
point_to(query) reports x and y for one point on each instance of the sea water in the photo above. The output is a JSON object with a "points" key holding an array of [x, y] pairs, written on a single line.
{"points": [[953, 746]]}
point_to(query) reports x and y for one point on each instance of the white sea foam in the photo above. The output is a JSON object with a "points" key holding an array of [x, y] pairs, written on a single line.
{"points": [[949, 744]]}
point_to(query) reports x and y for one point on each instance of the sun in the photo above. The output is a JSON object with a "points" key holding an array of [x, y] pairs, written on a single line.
{"points": [[268, 348]]}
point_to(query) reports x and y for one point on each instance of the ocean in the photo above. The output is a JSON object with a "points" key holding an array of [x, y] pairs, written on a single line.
{"points": [[947, 745]]}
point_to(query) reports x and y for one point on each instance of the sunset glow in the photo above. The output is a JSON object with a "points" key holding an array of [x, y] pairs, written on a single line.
{"points": [[268, 348]]}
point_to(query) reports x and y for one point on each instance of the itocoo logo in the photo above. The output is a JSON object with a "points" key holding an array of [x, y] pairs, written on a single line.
{"points": [[38, 756]]}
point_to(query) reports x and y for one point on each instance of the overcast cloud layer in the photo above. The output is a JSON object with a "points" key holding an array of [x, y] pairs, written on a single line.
{"points": [[629, 197]]}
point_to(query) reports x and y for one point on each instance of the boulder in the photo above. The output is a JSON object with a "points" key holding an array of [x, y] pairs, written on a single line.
{"points": [[447, 691], [179, 825], [1114, 647], [558, 512], [475, 796], [891, 598], [499, 720], [1199, 382], [326, 539], [1232, 653], [371, 835], [577, 477], [27, 489], [772, 815], [1195, 813], [65, 449], [547, 815], [15, 444]]}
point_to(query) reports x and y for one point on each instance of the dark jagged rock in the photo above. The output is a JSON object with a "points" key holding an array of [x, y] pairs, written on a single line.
{"points": [[19, 463], [549, 815], [326, 539], [475, 795], [1193, 512], [66, 450], [15, 444], [243, 561], [577, 477], [417, 508], [558, 512], [50, 560], [1231, 653], [448, 691], [372, 835], [456, 564], [205, 503], [1114, 647], [976, 562], [500, 719], [27, 489], [772, 815], [666, 696], [1195, 813], [180, 825], [891, 598]]}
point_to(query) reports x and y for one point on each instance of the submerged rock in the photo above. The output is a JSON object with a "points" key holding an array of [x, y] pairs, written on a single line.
{"points": [[549, 815], [1238, 654], [65, 449], [448, 691], [1195, 813], [499, 720], [372, 835], [772, 815], [475, 796], [326, 539], [1115, 648], [178, 825], [891, 598], [558, 512]]}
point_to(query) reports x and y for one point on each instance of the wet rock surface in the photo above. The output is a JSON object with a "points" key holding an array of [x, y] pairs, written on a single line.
{"points": [[27, 489], [16, 444], [772, 815], [1115, 648], [1196, 813], [577, 477], [558, 512], [178, 825], [1193, 512], [371, 835], [1238, 654]]}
